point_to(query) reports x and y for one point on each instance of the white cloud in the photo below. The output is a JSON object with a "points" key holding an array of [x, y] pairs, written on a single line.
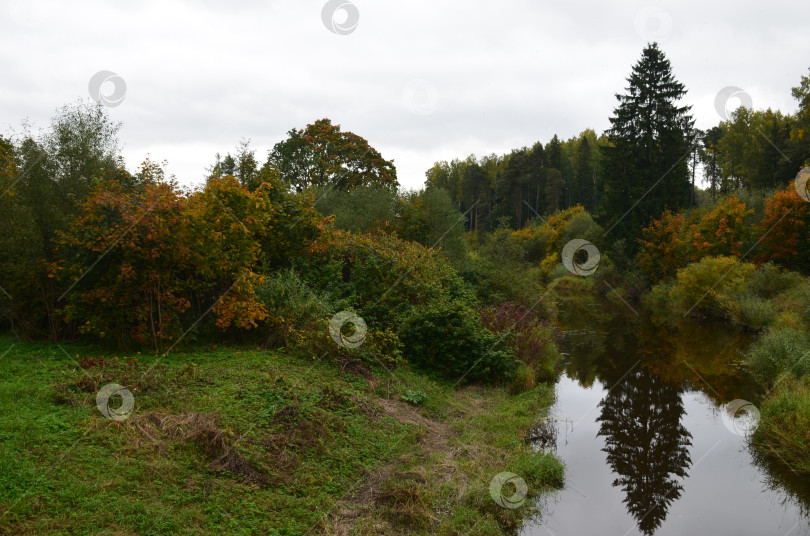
{"points": [[202, 75]]}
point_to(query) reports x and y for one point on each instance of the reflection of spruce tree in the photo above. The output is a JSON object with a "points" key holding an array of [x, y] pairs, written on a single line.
{"points": [[646, 444]]}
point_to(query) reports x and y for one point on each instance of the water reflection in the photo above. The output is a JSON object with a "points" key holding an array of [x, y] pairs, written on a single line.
{"points": [[645, 398], [646, 444]]}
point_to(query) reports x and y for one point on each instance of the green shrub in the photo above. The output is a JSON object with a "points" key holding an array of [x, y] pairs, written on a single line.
{"points": [[413, 292], [451, 339], [780, 354], [755, 306], [381, 345], [559, 271], [750, 310], [500, 281], [417, 398], [796, 302], [530, 333], [658, 301], [295, 309], [784, 426], [708, 285], [769, 280], [430, 218], [581, 225]]}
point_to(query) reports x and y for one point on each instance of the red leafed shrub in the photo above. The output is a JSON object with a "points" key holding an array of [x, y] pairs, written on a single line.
{"points": [[529, 332]]}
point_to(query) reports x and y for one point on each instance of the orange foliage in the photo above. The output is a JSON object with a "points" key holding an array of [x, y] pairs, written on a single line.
{"points": [[786, 221], [672, 241], [148, 264], [664, 248]]}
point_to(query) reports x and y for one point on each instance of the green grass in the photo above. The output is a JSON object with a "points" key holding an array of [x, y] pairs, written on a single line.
{"points": [[780, 353], [784, 426], [240, 441]]}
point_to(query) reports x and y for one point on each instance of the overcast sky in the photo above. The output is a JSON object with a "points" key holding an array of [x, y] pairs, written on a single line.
{"points": [[421, 80]]}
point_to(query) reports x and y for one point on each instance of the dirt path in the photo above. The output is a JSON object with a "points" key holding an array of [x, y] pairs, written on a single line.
{"points": [[358, 514]]}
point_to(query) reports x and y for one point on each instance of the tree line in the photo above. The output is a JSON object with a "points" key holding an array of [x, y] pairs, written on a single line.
{"points": [[647, 161]]}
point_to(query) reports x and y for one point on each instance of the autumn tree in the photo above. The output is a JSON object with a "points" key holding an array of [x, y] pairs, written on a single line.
{"points": [[322, 155], [664, 246], [673, 241], [147, 265], [785, 230]]}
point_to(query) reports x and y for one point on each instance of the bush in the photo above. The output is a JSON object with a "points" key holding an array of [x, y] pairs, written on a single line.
{"points": [[797, 300], [784, 426], [450, 339], [750, 310], [707, 286], [295, 311], [542, 244], [503, 281], [769, 280], [580, 225], [405, 289], [531, 334], [430, 218], [781, 353], [755, 306], [417, 398], [657, 299], [558, 271], [525, 379], [382, 346]]}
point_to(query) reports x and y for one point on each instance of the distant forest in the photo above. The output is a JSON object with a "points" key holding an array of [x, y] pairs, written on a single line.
{"points": [[651, 139]]}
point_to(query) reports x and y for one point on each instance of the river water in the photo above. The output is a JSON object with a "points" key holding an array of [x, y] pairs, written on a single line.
{"points": [[641, 429]]}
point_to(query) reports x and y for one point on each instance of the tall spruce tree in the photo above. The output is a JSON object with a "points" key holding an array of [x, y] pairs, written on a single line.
{"points": [[646, 160]]}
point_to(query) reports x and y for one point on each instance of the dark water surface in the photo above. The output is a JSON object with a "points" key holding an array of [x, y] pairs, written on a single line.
{"points": [[647, 450]]}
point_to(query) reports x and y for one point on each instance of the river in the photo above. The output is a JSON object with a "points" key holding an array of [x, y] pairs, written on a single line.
{"points": [[641, 429]]}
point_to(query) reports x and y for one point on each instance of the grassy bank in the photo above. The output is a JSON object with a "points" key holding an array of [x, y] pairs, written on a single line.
{"points": [[242, 441]]}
